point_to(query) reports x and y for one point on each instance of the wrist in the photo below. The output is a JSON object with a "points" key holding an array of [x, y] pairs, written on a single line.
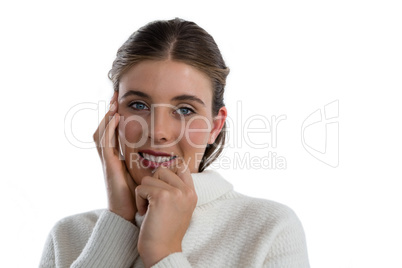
{"points": [[157, 254], [128, 216]]}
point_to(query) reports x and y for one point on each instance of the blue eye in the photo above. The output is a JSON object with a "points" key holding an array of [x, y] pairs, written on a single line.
{"points": [[184, 111], [138, 106]]}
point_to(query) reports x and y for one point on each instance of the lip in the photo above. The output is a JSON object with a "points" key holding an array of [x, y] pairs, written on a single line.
{"points": [[156, 153], [153, 165], [150, 164]]}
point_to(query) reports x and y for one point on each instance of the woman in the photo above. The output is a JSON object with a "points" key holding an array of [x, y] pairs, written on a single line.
{"points": [[166, 124]]}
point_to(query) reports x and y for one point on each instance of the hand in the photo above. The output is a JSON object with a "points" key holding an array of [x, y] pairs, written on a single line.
{"points": [[119, 184], [168, 200]]}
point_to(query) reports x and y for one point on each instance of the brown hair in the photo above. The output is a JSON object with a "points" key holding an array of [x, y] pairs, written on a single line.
{"points": [[182, 41]]}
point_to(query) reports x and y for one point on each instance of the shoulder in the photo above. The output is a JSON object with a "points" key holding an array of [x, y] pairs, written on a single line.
{"points": [[83, 221], [278, 228], [256, 221], [86, 234], [260, 213], [258, 206], [69, 235], [269, 209]]}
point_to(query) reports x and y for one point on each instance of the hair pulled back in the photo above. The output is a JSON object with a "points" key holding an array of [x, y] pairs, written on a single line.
{"points": [[183, 41]]}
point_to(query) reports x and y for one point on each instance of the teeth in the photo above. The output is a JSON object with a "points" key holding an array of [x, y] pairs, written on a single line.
{"points": [[157, 159]]}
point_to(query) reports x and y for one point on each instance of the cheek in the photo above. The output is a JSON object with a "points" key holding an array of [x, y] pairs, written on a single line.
{"points": [[197, 131], [131, 130]]}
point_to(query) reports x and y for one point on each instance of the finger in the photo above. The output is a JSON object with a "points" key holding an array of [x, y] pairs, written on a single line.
{"points": [[106, 119], [102, 126], [169, 177], [156, 182], [114, 97], [130, 181], [173, 166], [144, 196], [149, 189], [117, 140], [182, 170], [107, 141], [132, 186]]}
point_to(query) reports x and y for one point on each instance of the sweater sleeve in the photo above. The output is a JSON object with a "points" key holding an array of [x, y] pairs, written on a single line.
{"points": [[289, 245], [174, 260], [111, 242]]}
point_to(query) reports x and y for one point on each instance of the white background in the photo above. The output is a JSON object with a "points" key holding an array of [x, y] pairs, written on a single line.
{"points": [[286, 58]]}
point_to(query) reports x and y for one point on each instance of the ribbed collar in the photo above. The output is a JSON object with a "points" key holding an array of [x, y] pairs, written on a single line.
{"points": [[210, 185]]}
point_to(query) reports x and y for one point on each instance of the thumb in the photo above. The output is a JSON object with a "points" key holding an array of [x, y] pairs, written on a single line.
{"points": [[182, 170]]}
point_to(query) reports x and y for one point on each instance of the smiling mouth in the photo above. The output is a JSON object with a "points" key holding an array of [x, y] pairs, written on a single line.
{"points": [[153, 161], [156, 159]]}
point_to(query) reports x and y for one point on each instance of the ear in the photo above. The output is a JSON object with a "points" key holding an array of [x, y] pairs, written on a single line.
{"points": [[217, 125]]}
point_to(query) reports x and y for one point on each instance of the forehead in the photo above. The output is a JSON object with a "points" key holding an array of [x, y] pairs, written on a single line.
{"points": [[167, 79]]}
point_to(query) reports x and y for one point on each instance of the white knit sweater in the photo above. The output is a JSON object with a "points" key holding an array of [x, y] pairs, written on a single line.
{"points": [[227, 230]]}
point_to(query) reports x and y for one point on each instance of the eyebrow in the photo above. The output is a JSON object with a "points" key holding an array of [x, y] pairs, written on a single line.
{"points": [[186, 97], [136, 93], [183, 97]]}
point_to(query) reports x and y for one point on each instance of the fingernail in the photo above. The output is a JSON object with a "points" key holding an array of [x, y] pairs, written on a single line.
{"points": [[113, 107], [112, 99], [180, 160]]}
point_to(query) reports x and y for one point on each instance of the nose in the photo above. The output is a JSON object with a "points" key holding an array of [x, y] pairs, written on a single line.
{"points": [[162, 126]]}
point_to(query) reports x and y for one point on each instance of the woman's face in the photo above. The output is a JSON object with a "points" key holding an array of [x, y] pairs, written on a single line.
{"points": [[166, 115]]}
